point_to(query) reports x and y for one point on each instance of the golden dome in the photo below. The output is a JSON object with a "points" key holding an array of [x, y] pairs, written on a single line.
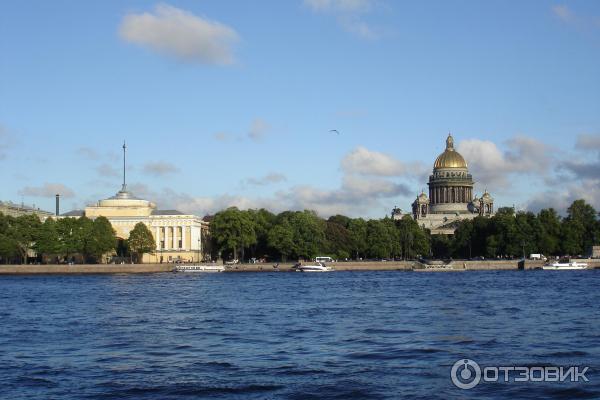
{"points": [[450, 158]]}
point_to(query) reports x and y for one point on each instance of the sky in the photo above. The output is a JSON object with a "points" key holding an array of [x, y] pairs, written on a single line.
{"points": [[232, 103]]}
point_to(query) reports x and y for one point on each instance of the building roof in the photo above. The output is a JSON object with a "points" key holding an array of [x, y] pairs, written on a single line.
{"points": [[73, 213], [167, 212]]}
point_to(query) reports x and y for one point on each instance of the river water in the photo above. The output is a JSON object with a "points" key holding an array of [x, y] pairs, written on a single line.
{"points": [[340, 335]]}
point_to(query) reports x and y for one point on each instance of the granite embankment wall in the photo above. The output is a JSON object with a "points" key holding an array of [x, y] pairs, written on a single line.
{"points": [[85, 269], [268, 267]]}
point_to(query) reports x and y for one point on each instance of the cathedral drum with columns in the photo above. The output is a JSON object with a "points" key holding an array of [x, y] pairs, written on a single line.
{"points": [[450, 195]]}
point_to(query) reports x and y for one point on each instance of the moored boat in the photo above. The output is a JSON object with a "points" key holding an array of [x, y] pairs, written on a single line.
{"points": [[199, 268], [317, 267], [568, 265]]}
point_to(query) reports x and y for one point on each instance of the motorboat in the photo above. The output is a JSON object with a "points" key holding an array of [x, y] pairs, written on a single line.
{"points": [[317, 267], [199, 268], [565, 265]]}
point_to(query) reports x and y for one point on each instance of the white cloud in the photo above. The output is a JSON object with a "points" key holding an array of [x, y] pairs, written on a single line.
{"points": [[491, 165], [6, 141], [258, 130], [346, 6], [357, 194], [181, 34], [588, 142], [563, 12], [47, 190], [348, 13], [159, 168], [222, 136], [108, 170], [367, 162], [580, 21], [268, 179], [88, 152], [562, 196]]}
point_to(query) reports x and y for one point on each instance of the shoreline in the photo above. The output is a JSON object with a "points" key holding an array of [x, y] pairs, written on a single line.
{"points": [[453, 266]]}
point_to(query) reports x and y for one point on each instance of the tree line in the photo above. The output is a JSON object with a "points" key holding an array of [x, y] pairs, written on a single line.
{"points": [[238, 234], [293, 235], [517, 234], [67, 239]]}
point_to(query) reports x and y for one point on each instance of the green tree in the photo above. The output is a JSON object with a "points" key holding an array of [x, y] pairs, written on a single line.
{"points": [[580, 228], [103, 238], [462, 241], [379, 241], [24, 232], [263, 221], [233, 230], [84, 233], [281, 239], [338, 242], [69, 237], [549, 238], [441, 246], [414, 240], [357, 228], [47, 242], [141, 241], [309, 233]]}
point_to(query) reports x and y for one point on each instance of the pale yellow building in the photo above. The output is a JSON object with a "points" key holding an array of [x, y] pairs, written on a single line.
{"points": [[178, 236]]}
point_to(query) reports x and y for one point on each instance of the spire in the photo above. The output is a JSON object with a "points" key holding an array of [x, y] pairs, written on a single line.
{"points": [[450, 142], [124, 188]]}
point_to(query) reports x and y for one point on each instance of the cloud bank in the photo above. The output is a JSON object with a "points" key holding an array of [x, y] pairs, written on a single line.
{"points": [[159, 168], [180, 34], [47, 190], [348, 13]]}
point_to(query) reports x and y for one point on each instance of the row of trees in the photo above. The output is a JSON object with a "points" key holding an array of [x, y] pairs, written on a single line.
{"points": [[66, 239], [303, 235], [58, 239], [510, 234]]}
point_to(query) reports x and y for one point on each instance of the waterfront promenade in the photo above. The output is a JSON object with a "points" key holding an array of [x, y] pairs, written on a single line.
{"points": [[457, 265]]}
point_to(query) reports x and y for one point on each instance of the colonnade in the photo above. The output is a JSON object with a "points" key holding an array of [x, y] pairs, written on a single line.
{"points": [[450, 194], [171, 237]]}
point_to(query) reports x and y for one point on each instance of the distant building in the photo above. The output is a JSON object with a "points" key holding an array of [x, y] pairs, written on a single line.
{"points": [[450, 197], [15, 210], [178, 236]]}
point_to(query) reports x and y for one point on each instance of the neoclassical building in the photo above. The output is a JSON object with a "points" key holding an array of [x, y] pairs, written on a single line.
{"points": [[178, 236], [450, 195]]}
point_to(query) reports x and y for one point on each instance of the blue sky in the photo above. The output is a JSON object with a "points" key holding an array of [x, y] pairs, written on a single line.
{"points": [[230, 103]]}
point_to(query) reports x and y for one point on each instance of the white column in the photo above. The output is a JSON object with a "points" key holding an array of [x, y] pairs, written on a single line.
{"points": [[174, 242], [183, 246], [166, 237], [157, 237]]}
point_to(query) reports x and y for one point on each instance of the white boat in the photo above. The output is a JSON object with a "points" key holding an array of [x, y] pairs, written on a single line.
{"points": [[200, 268], [565, 265], [318, 267]]}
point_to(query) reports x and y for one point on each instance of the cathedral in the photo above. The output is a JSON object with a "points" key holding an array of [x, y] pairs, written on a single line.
{"points": [[450, 195]]}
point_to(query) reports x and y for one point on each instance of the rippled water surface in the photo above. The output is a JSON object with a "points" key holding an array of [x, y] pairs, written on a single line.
{"points": [[341, 335]]}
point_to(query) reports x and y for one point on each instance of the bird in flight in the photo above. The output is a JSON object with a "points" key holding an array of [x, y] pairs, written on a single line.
{"points": [[334, 131]]}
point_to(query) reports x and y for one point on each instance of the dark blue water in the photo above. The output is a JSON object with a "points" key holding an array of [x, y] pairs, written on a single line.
{"points": [[342, 335]]}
